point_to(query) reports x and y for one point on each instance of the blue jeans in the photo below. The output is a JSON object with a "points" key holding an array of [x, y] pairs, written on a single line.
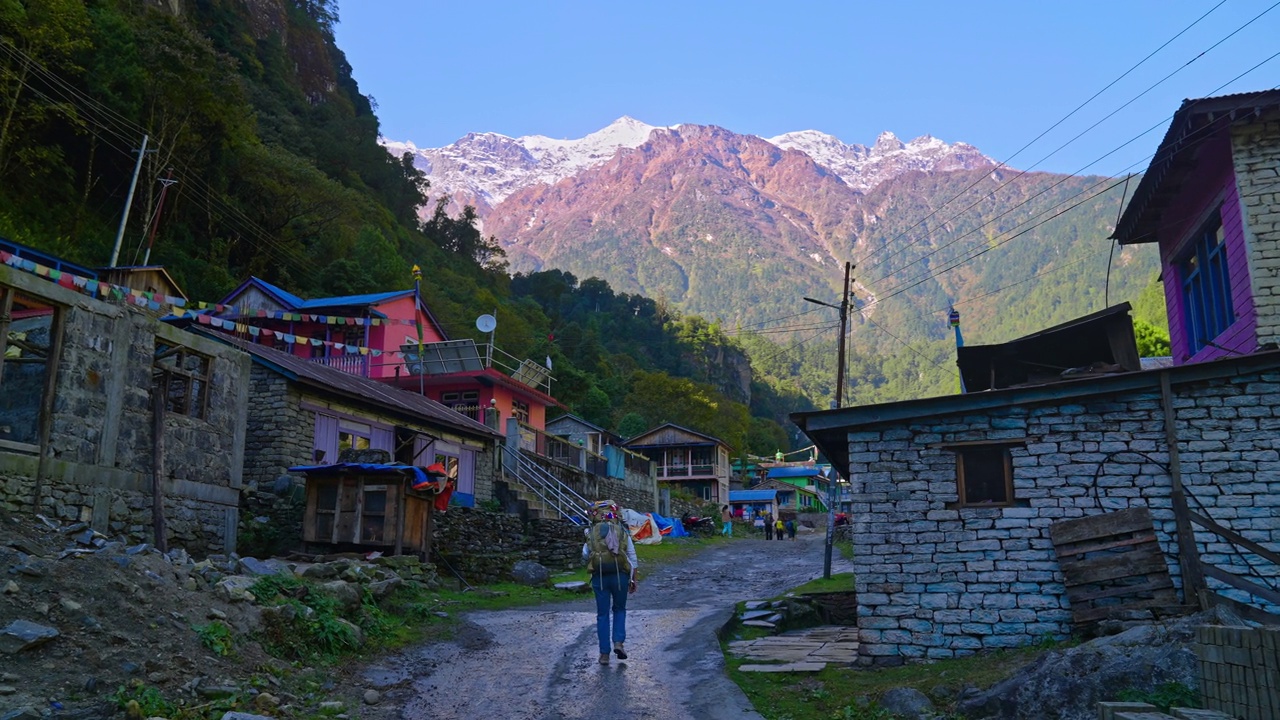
{"points": [[611, 590], [727, 529]]}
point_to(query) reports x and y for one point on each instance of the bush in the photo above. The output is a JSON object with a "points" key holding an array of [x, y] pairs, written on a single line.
{"points": [[216, 636]]}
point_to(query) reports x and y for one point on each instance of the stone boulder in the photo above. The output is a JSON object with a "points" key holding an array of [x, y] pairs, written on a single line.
{"points": [[528, 572], [236, 588], [908, 704], [260, 568], [347, 594], [22, 635], [1074, 680]]}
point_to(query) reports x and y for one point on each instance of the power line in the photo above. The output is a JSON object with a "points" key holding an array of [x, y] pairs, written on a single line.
{"points": [[1077, 137]]}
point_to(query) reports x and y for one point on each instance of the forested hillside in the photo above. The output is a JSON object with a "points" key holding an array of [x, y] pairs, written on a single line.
{"points": [[254, 111]]}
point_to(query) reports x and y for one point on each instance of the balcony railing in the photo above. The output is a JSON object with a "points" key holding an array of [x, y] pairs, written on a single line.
{"points": [[687, 471], [557, 448], [353, 364], [454, 356]]}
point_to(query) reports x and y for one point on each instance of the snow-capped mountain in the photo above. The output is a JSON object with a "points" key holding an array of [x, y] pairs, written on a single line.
{"points": [[483, 169], [863, 168]]}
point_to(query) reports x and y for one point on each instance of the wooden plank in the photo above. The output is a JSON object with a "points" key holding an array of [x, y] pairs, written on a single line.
{"points": [[344, 517], [1235, 537], [1084, 547], [1241, 583], [159, 388], [1244, 610], [1092, 614], [1113, 567], [1188, 554], [1076, 594], [309, 515], [396, 505], [1095, 526]]}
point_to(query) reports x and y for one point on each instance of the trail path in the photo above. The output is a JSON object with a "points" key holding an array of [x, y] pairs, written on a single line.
{"points": [[542, 662]]}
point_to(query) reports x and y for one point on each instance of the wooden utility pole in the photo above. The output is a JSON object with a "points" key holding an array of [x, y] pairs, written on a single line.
{"points": [[843, 307]]}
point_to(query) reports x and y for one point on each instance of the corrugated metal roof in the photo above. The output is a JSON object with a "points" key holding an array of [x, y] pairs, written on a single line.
{"points": [[672, 434], [281, 294], [752, 495], [362, 389], [1195, 121], [792, 472], [352, 300]]}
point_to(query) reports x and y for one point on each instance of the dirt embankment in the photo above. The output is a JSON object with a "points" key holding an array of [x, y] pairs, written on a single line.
{"points": [[87, 623]]}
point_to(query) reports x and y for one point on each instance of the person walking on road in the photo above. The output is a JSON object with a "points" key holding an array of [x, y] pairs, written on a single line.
{"points": [[727, 517], [791, 529], [610, 556], [779, 529], [768, 526]]}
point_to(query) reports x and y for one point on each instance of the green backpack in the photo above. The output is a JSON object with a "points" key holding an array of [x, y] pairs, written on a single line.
{"points": [[599, 558]]}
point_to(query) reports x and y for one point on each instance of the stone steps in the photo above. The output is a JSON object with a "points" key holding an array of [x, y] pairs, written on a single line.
{"points": [[1146, 711], [799, 650]]}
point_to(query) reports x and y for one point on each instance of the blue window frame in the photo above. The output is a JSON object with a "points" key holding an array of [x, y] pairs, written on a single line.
{"points": [[1206, 286]]}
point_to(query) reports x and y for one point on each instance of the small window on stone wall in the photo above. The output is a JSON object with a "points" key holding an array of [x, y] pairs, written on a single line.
{"points": [[984, 475], [183, 376]]}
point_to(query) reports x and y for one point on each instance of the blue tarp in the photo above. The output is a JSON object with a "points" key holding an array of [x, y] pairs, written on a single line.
{"points": [[677, 529], [793, 472], [418, 474]]}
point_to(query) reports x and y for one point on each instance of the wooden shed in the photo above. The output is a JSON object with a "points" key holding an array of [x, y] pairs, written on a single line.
{"points": [[375, 506]]}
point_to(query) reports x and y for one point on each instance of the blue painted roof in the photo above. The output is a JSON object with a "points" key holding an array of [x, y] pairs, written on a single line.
{"points": [[793, 472], [368, 299], [752, 495], [284, 295]]}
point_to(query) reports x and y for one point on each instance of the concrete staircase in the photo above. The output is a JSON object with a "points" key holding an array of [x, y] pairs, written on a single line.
{"points": [[540, 492]]}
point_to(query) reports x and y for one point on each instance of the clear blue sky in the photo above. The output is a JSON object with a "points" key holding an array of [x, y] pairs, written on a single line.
{"points": [[993, 74]]}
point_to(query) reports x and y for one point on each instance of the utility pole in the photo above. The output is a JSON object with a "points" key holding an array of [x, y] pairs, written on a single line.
{"points": [[165, 182], [843, 307], [128, 202]]}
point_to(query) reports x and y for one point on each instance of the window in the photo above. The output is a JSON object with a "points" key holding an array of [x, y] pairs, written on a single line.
{"points": [[183, 376], [466, 402], [26, 342], [1206, 286], [353, 436], [520, 410], [373, 514], [984, 476]]}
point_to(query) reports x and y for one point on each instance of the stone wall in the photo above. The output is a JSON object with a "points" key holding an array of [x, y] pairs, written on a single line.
{"points": [[1256, 154], [1240, 670], [281, 434], [97, 462], [935, 580], [483, 546]]}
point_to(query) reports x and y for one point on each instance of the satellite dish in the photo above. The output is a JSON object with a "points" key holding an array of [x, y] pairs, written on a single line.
{"points": [[486, 323]]}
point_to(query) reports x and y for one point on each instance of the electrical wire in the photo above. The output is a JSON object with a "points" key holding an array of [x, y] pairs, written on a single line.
{"points": [[1064, 119]]}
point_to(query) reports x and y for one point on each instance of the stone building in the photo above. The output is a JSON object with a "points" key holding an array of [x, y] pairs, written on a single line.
{"points": [[305, 413], [955, 499], [79, 379]]}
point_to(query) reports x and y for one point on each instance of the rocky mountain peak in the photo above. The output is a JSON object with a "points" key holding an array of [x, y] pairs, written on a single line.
{"points": [[886, 143]]}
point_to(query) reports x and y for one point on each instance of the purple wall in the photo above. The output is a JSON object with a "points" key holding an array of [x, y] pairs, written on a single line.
{"points": [[1213, 180]]}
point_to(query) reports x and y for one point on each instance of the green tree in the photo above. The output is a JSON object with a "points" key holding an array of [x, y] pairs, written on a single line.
{"points": [[1152, 341], [632, 424]]}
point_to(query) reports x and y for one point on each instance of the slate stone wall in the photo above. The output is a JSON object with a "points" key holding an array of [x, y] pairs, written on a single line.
{"points": [[1256, 156], [99, 454], [483, 546], [937, 581]]}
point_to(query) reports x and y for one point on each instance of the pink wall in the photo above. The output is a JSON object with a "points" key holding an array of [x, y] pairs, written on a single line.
{"points": [[1212, 181], [389, 338]]}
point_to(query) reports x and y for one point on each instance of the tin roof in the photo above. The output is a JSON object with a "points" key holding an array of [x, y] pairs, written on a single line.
{"points": [[355, 387], [752, 495], [1196, 121]]}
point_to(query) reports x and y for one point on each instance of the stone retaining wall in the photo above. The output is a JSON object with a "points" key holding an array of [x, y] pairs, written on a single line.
{"points": [[483, 546], [936, 580]]}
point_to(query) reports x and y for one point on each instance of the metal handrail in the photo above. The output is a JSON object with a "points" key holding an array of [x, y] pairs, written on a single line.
{"points": [[554, 493]]}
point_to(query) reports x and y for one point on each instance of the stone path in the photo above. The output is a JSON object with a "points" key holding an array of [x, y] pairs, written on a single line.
{"points": [[805, 650]]}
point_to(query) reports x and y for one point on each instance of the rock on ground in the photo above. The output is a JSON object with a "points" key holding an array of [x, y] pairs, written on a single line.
{"points": [[908, 704], [527, 572], [1072, 681]]}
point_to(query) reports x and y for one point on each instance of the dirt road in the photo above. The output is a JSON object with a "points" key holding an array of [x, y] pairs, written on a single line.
{"points": [[542, 662]]}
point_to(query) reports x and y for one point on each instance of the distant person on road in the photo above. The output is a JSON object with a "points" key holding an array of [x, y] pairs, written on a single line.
{"points": [[768, 526], [791, 529], [727, 517], [610, 556], [779, 528]]}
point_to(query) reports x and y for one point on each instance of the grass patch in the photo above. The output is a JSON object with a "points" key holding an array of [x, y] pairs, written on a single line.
{"points": [[216, 636], [838, 582], [851, 693]]}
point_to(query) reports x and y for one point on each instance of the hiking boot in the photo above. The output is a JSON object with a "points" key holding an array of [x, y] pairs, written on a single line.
{"points": [[617, 650], [604, 658]]}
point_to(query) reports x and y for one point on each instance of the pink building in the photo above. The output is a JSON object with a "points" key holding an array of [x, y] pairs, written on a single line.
{"points": [[376, 336], [1209, 200]]}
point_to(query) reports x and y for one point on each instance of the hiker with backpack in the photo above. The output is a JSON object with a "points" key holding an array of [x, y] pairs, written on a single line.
{"points": [[610, 556]]}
